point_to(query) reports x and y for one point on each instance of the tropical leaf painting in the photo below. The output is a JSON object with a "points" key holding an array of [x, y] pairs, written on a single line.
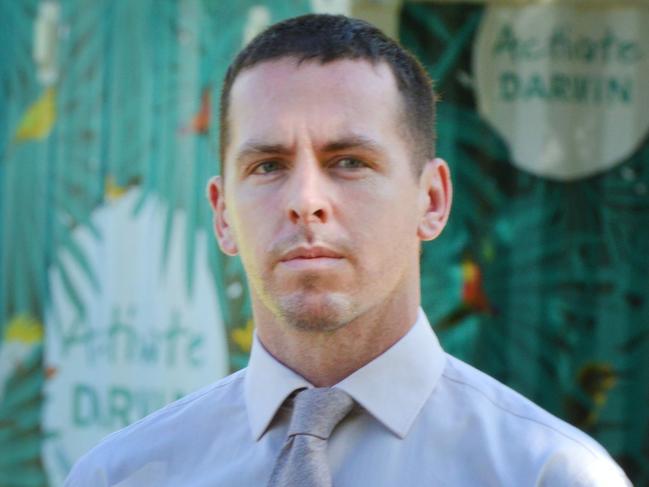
{"points": [[21, 399], [131, 107], [540, 283]]}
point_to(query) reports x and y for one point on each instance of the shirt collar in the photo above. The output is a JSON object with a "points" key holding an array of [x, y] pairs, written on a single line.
{"points": [[267, 384], [393, 387]]}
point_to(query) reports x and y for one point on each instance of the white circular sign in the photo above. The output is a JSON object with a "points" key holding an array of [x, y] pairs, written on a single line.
{"points": [[144, 340], [567, 86]]}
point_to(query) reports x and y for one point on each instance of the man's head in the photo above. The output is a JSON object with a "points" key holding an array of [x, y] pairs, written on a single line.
{"points": [[318, 196], [327, 38]]}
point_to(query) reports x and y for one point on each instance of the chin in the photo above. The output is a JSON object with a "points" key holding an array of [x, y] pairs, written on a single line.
{"points": [[316, 313]]}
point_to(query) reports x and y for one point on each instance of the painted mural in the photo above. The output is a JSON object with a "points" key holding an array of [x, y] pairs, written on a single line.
{"points": [[115, 300]]}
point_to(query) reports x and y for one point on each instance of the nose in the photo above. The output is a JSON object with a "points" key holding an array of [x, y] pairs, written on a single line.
{"points": [[308, 200]]}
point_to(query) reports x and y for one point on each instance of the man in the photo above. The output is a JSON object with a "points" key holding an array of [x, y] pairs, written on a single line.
{"points": [[329, 184]]}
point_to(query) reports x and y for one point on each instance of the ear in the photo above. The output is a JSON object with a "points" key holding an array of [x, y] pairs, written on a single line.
{"points": [[222, 227], [435, 197]]}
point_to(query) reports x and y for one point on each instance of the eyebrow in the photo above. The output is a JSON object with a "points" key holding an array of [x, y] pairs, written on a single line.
{"points": [[254, 148], [352, 142]]}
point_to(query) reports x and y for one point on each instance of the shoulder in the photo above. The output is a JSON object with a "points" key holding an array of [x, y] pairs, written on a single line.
{"points": [[223, 394], [556, 452], [170, 431], [509, 410]]}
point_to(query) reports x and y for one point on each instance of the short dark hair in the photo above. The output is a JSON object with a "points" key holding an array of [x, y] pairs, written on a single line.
{"points": [[326, 38]]}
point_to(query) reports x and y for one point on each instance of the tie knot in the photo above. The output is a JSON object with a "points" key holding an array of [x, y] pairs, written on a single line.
{"points": [[317, 411]]}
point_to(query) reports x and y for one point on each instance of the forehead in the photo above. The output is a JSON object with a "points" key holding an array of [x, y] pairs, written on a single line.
{"points": [[338, 73], [284, 98]]}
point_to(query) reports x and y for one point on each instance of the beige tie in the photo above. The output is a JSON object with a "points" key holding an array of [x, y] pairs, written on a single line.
{"points": [[303, 459]]}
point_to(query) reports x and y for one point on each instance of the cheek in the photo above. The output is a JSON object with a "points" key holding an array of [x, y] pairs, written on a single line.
{"points": [[385, 231], [377, 211], [250, 226], [253, 206]]}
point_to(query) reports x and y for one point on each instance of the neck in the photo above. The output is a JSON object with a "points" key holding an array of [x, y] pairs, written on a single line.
{"points": [[326, 358]]}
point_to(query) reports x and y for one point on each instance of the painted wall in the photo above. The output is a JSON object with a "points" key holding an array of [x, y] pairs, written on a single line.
{"points": [[115, 300]]}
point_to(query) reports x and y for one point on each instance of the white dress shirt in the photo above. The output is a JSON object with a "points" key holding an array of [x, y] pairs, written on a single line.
{"points": [[423, 418]]}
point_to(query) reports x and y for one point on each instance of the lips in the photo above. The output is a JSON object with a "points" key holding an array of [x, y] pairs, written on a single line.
{"points": [[310, 253]]}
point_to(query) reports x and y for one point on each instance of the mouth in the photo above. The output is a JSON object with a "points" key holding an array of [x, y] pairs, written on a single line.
{"points": [[311, 257], [308, 253]]}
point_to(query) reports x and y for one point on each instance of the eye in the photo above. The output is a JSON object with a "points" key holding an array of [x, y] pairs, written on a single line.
{"points": [[266, 167], [349, 163]]}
